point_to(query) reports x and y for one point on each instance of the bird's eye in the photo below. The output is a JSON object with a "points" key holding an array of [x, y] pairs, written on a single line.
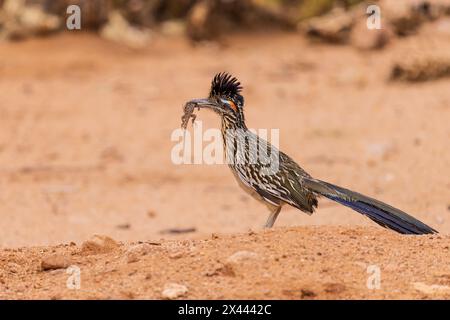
{"points": [[229, 103]]}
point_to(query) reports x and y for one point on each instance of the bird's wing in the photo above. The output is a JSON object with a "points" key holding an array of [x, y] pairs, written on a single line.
{"points": [[283, 183]]}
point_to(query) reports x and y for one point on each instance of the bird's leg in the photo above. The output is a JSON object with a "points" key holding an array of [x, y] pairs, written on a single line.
{"points": [[272, 217]]}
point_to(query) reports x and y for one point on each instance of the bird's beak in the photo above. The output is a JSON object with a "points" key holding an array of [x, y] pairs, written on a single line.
{"points": [[204, 103]]}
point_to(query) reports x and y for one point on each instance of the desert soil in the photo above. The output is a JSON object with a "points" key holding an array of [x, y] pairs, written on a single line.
{"points": [[85, 149]]}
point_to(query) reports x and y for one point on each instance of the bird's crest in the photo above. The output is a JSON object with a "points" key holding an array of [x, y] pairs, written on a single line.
{"points": [[225, 85]]}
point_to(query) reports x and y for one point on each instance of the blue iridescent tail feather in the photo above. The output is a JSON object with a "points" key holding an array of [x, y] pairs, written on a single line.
{"points": [[380, 212]]}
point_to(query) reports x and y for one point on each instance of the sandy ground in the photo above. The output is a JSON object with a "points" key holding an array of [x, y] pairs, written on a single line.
{"points": [[286, 263], [85, 149]]}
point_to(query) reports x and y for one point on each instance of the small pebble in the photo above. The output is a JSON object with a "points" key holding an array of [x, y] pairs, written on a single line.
{"points": [[174, 290], [54, 262], [431, 289], [124, 226], [99, 244], [240, 256], [134, 253], [176, 255], [214, 236]]}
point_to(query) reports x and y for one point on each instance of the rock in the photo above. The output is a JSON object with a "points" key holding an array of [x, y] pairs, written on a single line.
{"points": [[363, 38], [176, 255], [134, 253], [54, 262], [128, 294], [197, 21], [431, 289], [240, 256], [420, 69], [144, 12], [406, 16], [209, 19], [141, 249], [174, 290], [307, 294], [221, 269], [173, 28], [20, 19], [131, 258], [333, 27], [99, 244], [119, 30], [334, 288]]}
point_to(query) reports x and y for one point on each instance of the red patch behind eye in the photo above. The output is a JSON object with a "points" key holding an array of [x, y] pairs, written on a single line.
{"points": [[232, 105]]}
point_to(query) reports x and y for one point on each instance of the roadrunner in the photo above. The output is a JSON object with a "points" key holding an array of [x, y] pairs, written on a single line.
{"points": [[288, 184]]}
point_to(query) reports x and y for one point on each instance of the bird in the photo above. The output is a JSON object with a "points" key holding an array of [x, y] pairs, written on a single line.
{"points": [[288, 183]]}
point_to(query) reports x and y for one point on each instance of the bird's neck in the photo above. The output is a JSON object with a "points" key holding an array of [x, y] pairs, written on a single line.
{"points": [[232, 133], [231, 124]]}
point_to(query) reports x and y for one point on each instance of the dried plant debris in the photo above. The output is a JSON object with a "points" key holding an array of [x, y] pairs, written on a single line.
{"points": [[418, 70], [178, 230], [188, 114], [334, 27]]}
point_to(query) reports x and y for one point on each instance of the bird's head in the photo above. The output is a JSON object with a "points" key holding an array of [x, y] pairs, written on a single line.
{"points": [[224, 98]]}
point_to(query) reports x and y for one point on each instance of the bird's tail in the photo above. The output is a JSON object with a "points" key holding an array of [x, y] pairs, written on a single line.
{"points": [[380, 212]]}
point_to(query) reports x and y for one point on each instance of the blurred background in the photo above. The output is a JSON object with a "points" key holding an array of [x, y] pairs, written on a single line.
{"points": [[86, 115]]}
